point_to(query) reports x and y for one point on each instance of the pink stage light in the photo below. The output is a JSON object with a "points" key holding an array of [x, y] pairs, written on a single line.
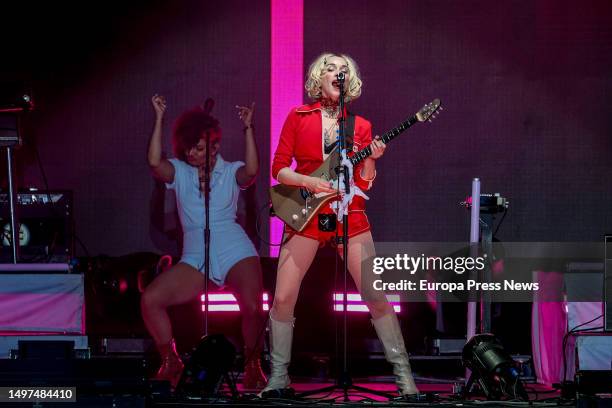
{"points": [[286, 74], [222, 308], [355, 303], [220, 297], [227, 302], [338, 307]]}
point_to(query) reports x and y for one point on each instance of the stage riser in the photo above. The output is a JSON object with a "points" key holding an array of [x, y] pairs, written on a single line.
{"points": [[10, 343], [594, 352], [33, 300], [92, 377]]}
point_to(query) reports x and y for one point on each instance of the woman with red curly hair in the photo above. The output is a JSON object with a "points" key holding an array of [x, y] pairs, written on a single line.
{"points": [[236, 265]]}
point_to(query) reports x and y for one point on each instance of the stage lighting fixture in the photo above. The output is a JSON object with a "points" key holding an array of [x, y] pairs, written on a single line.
{"points": [[492, 369], [210, 364]]}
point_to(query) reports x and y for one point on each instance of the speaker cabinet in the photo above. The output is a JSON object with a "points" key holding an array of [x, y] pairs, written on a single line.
{"points": [[46, 231]]}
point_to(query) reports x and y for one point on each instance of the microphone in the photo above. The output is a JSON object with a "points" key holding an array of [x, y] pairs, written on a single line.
{"points": [[340, 76], [26, 102]]}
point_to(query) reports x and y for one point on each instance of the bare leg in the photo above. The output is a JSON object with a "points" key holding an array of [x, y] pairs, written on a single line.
{"points": [[360, 248], [246, 281], [295, 258], [177, 285], [385, 321]]}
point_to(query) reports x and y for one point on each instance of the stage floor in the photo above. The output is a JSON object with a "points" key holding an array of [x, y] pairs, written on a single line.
{"points": [[436, 393]]}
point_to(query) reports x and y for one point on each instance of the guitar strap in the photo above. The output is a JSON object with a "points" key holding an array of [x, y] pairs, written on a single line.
{"points": [[349, 131]]}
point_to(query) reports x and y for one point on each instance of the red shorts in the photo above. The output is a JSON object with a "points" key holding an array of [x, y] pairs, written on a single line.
{"points": [[358, 224]]}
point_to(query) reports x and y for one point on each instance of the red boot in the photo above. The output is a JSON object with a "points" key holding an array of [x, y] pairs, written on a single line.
{"points": [[254, 377], [171, 365]]}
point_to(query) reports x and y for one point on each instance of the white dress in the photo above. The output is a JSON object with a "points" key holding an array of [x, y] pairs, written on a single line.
{"points": [[229, 243]]}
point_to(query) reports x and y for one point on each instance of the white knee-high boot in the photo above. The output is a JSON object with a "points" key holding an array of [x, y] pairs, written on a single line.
{"points": [[389, 332], [281, 337]]}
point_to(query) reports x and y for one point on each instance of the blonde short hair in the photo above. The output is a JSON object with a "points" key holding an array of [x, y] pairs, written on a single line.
{"points": [[317, 69]]}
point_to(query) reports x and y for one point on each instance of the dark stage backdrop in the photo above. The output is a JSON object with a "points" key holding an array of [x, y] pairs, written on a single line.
{"points": [[525, 87], [93, 78]]}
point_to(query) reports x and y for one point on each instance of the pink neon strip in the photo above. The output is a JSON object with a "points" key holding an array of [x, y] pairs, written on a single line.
{"points": [[355, 304], [222, 308], [225, 297], [230, 307], [361, 308], [220, 297], [286, 77], [227, 302], [356, 297]]}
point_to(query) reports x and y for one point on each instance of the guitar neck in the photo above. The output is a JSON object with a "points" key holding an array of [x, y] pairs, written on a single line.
{"points": [[386, 138]]}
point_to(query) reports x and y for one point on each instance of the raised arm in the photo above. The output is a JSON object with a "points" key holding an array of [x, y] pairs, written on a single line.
{"points": [[161, 168], [245, 175]]}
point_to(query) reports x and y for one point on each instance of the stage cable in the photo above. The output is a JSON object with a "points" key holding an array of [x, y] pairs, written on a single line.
{"points": [[566, 337]]}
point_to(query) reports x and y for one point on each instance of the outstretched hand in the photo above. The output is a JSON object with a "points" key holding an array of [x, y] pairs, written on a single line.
{"points": [[245, 114], [159, 104]]}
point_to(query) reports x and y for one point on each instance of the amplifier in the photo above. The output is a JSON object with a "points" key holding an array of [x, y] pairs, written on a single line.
{"points": [[442, 346], [46, 232], [9, 344], [127, 346]]}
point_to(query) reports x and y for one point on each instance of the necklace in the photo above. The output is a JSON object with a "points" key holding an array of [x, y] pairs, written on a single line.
{"points": [[331, 111]]}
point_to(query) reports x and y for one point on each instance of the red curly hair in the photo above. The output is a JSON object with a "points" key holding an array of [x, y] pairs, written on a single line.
{"points": [[192, 126]]}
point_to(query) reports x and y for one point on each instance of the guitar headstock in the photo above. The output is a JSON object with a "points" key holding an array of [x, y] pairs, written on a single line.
{"points": [[427, 111]]}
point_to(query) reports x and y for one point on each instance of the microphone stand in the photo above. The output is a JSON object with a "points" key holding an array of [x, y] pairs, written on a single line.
{"points": [[10, 113], [344, 380], [207, 170], [15, 226], [206, 231]]}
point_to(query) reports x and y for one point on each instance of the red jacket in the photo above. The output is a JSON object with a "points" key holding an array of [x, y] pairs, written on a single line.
{"points": [[301, 139]]}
